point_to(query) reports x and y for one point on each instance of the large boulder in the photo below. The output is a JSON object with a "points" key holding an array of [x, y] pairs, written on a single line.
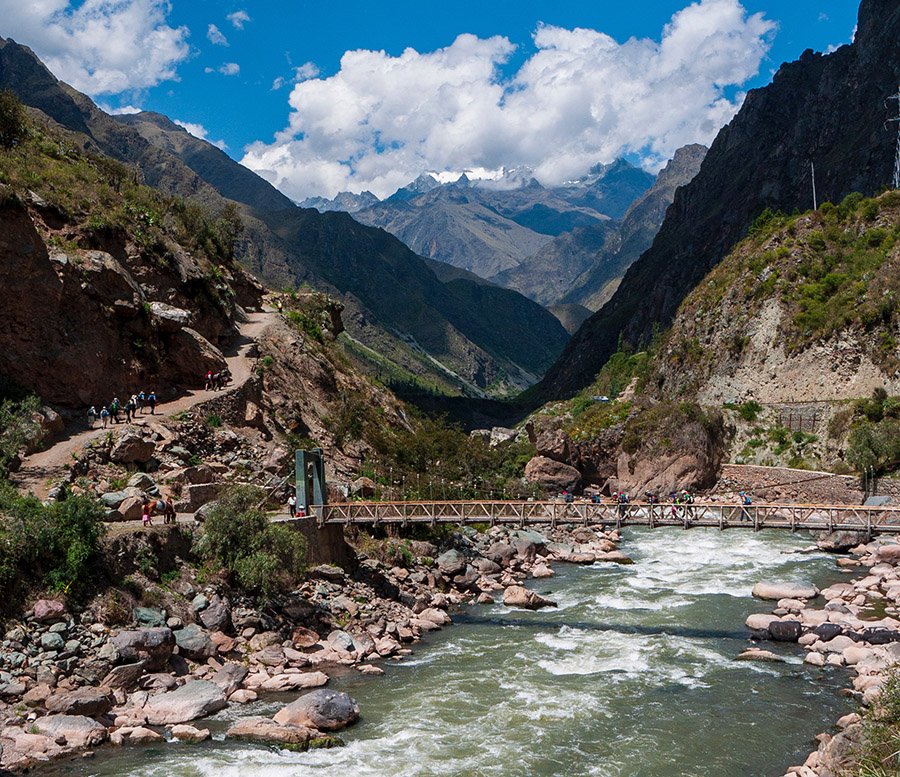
{"points": [[554, 445], [83, 701], [323, 710], [49, 611], [216, 616], [168, 318], [152, 646], [258, 729], [775, 590], [130, 447], [451, 562], [76, 730], [785, 630], [195, 699], [519, 596], [191, 356], [230, 676], [840, 541], [194, 643], [552, 475]]}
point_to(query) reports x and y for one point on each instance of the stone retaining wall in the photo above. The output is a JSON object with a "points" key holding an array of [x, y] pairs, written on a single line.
{"points": [[797, 485]]}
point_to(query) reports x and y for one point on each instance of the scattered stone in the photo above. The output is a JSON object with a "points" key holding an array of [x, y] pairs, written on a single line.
{"points": [[756, 654], [49, 610], [519, 596], [194, 643], [185, 733], [776, 591], [91, 702], [195, 699], [74, 730], [259, 729], [323, 710]]}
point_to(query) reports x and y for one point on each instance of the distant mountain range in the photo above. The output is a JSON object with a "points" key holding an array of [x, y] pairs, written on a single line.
{"points": [[459, 337], [566, 247]]}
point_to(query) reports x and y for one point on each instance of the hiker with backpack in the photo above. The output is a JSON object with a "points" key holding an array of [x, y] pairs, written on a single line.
{"points": [[91, 416], [139, 401], [746, 501], [114, 408], [151, 401], [104, 416]]}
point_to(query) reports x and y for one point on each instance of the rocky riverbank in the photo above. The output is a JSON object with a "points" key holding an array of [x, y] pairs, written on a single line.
{"points": [[70, 682], [852, 625]]}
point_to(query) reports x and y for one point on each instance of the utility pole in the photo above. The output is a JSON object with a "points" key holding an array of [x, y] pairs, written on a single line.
{"points": [[812, 171], [896, 180]]}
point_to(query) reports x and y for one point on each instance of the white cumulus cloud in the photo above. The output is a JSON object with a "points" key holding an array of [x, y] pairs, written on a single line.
{"points": [[216, 36], [100, 46], [230, 69], [238, 19], [199, 131], [581, 98]]}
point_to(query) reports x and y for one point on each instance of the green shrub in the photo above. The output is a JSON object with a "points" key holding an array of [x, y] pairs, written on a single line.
{"points": [[878, 752], [17, 428], [13, 120], [48, 545], [749, 410], [258, 556]]}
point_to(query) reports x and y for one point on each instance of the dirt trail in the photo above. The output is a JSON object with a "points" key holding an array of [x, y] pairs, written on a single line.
{"points": [[38, 469]]}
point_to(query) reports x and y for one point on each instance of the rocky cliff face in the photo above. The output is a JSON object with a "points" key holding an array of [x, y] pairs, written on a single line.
{"points": [[805, 309], [828, 109], [101, 293]]}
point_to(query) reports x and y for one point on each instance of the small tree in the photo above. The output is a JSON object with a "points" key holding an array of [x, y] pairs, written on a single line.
{"points": [[258, 555], [13, 120], [18, 427]]}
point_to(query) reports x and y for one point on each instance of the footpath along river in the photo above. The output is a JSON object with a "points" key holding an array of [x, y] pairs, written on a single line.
{"points": [[632, 676]]}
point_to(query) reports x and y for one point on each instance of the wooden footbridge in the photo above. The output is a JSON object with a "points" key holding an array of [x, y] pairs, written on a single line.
{"points": [[794, 517]]}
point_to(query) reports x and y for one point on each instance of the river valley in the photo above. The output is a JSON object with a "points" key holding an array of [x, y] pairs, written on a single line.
{"points": [[631, 676]]}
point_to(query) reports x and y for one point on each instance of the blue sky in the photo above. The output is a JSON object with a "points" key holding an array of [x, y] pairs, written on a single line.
{"points": [[165, 56]]}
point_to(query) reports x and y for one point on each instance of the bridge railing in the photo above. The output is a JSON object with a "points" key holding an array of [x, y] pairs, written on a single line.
{"points": [[522, 513]]}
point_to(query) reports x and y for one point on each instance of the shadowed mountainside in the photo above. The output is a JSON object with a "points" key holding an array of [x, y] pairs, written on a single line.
{"points": [[826, 108]]}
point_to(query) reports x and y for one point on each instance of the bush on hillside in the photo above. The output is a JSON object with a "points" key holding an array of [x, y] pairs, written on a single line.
{"points": [[13, 120], [257, 555], [17, 428], [53, 546]]}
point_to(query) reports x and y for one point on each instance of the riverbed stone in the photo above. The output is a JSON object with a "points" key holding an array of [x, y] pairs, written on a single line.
{"points": [[280, 683], [519, 596], [779, 590], [153, 646], [785, 630], [195, 699], [451, 562], [323, 710], [77, 730], [194, 643], [185, 733], [83, 701], [260, 729], [760, 621]]}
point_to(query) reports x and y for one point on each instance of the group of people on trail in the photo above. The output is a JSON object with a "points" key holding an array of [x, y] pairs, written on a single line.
{"points": [[217, 380], [113, 412], [164, 507]]}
